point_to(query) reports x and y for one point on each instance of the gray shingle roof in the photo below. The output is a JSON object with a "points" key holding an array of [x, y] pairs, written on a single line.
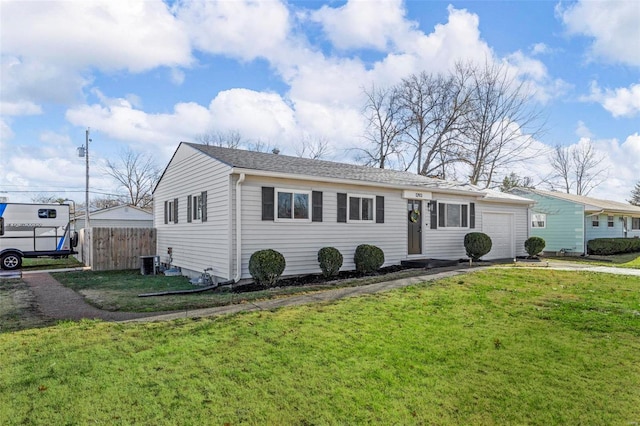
{"points": [[328, 169], [607, 205]]}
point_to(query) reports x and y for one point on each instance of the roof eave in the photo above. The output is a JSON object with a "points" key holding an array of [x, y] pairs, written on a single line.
{"points": [[281, 175]]}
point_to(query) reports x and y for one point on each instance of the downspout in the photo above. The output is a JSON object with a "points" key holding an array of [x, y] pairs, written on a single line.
{"points": [[239, 228]]}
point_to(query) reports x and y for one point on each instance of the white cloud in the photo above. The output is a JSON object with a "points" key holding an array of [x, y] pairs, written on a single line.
{"points": [[583, 131], [620, 102], [5, 134], [19, 108], [243, 29], [109, 35], [613, 25], [364, 24]]}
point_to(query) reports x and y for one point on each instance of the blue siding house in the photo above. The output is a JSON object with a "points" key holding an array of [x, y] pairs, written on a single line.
{"points": [[567, 221]]}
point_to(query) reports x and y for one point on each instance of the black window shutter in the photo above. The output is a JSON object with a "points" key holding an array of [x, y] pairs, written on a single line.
{"points": [[441, 215], [433, 210], [267, 203], [342, 207], [166, 212], [189, 211], [204, 205], [472, 215], [379, 209], [175, 210], [316, 206]]}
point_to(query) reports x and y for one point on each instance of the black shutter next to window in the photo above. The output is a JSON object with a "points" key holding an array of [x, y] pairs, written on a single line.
{"points": [[433, 212], [379, 209], [267, 203], [204, 205], [472, 215], [189, 204], [316, 206], [175, 210], [166, 212], [342, 207]]}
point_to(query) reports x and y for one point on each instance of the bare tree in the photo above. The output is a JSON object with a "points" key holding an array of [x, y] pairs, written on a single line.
{"points": [[561, 163], [576, 168], [106, 202], [137, 174], [229, 139], [47, 199], [501, 122], [313, 148], [384, 128]]}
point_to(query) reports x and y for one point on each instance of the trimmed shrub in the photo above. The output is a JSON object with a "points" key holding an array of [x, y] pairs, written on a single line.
{"points": [[477, 244], [266, 266], [330, 260], [368, 258], [534, 245], [606, 246]]}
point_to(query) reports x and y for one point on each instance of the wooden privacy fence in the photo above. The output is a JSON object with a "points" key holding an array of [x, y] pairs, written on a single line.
{"points": [[110, 249]]}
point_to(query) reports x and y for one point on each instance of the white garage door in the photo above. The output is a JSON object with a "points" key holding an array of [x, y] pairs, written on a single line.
{"points": [[499, 226]]}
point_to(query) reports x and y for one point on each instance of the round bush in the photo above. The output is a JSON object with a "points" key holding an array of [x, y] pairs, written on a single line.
{"points": [[477, 244], [330, 260], [368, 258], [266, 266], [534, 245]]}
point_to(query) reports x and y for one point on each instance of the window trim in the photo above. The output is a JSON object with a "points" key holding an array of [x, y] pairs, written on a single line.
{"points": [[611, 221], [595, 221], [533, 221], [306, 192], [634, 221], [194, 208], [461, 204], [361, 197], [170, 211]]}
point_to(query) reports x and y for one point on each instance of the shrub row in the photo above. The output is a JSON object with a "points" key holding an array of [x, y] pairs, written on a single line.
{"points": [[266, 266], [604, 246]]}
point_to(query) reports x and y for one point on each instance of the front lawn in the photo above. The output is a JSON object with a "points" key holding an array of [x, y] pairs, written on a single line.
{"points": [[625, 260], [502, 346], [40, 263], [119, 290]]}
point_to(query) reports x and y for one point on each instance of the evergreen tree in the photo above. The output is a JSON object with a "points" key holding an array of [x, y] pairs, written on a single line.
{"points": [[635, 195]]}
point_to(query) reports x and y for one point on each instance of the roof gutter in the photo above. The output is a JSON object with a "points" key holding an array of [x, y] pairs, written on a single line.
{"points": [[238, 275], [281, 175]]}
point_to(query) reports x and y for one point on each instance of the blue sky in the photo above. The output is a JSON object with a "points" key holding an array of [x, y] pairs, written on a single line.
{"points": [[147, 75]]}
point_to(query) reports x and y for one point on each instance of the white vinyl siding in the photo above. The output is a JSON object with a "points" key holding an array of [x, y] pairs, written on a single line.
{"points": [[300, 241], [448, 243], [198, 245]]}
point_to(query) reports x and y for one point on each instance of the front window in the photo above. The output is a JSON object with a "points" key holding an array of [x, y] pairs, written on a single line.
{"points": [[635, 223], [360, 208], [538, 220], [293, 205], [595, 222], [453, 215], [196, 210], [610, 221], [171, 214]]}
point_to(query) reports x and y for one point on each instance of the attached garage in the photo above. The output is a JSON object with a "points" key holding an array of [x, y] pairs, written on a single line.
{"points": [[501, 228]]}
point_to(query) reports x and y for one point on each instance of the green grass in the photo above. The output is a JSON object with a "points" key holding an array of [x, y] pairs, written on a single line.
{"points": [[503, 346], [50, 263], [118, 290], [625, 260]]}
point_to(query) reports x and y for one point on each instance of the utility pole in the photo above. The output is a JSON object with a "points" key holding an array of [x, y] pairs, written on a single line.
{"points": [[83, 151]]}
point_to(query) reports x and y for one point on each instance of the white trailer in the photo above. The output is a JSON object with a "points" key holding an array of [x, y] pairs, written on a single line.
{"points": [[34, 230]]}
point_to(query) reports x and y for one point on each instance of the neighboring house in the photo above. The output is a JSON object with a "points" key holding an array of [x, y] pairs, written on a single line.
{"points": [[124, 216], [214, 207], [567, 222]]}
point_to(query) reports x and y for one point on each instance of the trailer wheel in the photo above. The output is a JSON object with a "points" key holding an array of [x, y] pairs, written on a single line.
{"points": [[11, 261]]}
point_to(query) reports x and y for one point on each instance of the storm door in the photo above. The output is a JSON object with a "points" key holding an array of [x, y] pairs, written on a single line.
{"points": [[414, 226]]}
